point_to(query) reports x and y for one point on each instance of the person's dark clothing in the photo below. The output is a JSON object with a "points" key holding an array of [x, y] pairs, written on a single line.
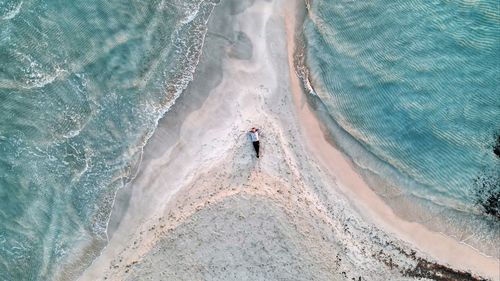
{"points": [[256, 147]]}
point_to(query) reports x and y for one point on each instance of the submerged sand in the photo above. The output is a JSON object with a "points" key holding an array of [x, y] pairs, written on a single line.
{"points": [[203, 207]]}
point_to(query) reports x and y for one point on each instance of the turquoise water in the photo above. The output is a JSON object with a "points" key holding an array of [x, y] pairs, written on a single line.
{"points": [[416, 83], [82, 86]]}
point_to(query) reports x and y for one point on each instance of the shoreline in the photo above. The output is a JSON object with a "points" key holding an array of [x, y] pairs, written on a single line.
{"points": [[199, 163], [439, 246]]}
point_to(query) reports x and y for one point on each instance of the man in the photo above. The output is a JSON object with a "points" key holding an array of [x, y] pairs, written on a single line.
{"points": [[254, 136]]}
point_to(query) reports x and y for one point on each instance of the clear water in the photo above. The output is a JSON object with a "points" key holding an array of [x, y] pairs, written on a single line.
{"points": [[416, 83], [82, 85]]}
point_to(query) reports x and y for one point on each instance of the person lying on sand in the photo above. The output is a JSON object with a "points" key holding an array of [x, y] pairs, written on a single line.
{"points": [[254, 136]]}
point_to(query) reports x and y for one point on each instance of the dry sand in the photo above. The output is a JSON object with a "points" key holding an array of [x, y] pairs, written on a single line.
{"points": [[203, 207]]}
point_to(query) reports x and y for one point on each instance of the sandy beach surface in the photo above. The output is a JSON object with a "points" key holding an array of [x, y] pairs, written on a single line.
{"points": [[203, 207]]}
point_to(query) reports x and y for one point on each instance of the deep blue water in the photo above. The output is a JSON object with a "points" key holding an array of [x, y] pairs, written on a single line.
{"points": [[417, 84], [82, 85]]}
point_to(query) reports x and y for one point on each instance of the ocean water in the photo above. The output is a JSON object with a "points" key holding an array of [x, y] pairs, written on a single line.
{"points": [[82, 86], [416, 84]]}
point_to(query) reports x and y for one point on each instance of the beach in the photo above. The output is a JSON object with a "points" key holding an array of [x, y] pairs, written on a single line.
{"points": [[203, 207]]}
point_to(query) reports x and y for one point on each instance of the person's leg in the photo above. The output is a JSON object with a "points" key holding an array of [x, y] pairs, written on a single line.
{"points": [[256, 147]]}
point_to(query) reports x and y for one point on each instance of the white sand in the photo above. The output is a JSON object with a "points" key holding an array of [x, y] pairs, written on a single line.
{"points": [[204, 208]]}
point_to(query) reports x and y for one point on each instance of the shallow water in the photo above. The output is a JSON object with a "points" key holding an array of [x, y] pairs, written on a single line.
{"points": [[416, 85], [81, 89]]}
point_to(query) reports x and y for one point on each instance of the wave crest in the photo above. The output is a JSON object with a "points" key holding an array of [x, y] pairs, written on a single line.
{"points": [[11, 11]]}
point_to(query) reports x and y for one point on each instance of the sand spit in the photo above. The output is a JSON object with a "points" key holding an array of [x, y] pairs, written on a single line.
{"points": [[204, 208]]}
